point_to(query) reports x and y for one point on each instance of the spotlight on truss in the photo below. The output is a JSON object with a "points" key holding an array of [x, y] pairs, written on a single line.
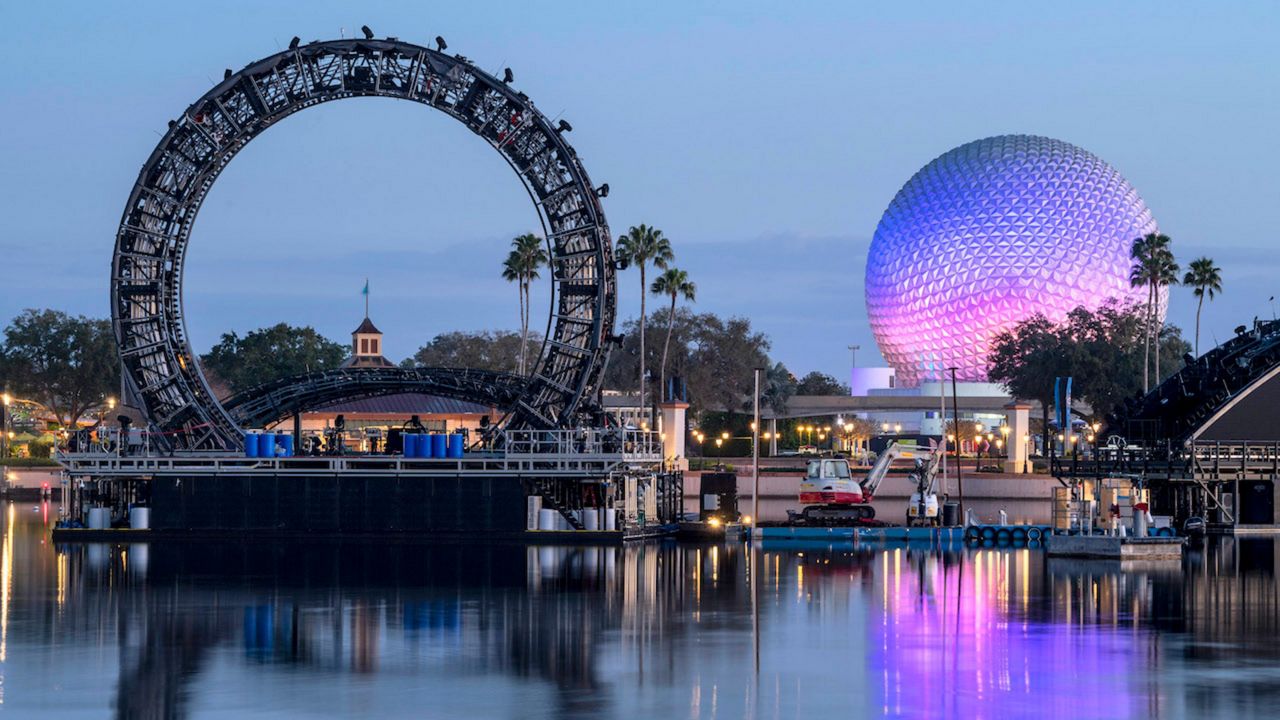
{"points": [[441, 45], [368, 34]]}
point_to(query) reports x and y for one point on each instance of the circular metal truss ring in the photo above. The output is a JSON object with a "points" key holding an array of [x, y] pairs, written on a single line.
{"points": [[161, 372]]}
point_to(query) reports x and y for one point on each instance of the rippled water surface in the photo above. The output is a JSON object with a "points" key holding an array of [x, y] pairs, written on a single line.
{"points": [[653, 631]]}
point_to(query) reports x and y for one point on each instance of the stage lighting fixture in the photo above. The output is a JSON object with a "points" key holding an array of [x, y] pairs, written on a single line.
{"points": [[507, 76], [441, 45], [368, 34]]}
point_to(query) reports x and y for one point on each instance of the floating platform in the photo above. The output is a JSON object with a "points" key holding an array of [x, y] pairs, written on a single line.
{"points": [[860, 534], [1115, 548], [519, 537]]}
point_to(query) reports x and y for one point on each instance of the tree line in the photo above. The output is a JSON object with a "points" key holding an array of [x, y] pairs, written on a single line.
{"points": [[1112, 352]]}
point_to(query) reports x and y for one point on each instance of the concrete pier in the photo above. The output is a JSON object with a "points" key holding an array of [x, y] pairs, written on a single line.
{"points": [[1115, 548]]}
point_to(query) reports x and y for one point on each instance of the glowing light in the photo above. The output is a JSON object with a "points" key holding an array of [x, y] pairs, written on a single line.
{"points": [[989, 234]]}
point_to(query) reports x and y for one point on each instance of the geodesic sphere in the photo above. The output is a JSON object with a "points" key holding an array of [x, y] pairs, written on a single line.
{"points": [[989, 234]]}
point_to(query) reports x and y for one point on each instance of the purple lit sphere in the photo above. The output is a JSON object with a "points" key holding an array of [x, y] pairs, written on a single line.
{"points": [[992, 233]]}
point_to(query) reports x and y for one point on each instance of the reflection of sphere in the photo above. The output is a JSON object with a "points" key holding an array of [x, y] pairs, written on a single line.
{"points": [[989, 234]]}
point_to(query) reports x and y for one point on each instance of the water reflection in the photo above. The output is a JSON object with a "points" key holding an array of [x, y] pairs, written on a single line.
{"points": [[332, 629]]}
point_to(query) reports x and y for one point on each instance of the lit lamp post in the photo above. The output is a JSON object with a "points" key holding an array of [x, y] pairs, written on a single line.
{"points": [[1004, 438], [719, 444], [4, 424]]}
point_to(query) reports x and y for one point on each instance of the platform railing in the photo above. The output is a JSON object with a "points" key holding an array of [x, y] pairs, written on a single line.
{"points": [[583, 451], [643, 445]]}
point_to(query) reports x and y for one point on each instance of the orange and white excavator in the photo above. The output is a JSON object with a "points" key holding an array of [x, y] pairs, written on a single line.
{"points": [[831, 495]]}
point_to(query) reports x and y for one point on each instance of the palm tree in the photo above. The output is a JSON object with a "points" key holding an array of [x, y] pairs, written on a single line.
{"points": [[1206, 278], [511, 273], [1153, 268], [673, 283], [639, 246], [521, 266]]}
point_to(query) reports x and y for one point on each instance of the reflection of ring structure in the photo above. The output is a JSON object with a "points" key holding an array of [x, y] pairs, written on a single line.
{"points": [[160, 368]]}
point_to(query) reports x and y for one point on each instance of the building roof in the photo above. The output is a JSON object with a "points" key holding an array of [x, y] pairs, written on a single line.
{"points": [[366, 361], [367, 327], [406, 404]]}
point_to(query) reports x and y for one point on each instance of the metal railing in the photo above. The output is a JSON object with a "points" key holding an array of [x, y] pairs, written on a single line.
{"points": [[581, 452], [631, 445]]}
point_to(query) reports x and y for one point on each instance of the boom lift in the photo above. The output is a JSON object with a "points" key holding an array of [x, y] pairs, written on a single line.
{"points": [[831, 495]]}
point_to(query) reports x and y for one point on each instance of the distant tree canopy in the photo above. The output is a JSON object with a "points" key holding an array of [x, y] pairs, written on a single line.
{"points": [[714, 355], [1102, 350], [271, 353], [820, 383], [67, 364], [496, 350]]}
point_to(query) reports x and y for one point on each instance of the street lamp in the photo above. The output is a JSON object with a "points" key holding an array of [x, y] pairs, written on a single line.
{"points": [[4, 423]]}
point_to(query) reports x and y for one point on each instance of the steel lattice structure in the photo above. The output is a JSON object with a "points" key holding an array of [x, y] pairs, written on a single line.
{"points": [[275, 401], [161, 371]]}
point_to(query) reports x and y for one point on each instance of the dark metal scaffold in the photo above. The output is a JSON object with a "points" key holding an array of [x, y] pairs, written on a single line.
{"points": [[162, 373]]}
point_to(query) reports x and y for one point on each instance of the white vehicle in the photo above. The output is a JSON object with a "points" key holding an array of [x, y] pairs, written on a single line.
{"points": [[830, 494]]}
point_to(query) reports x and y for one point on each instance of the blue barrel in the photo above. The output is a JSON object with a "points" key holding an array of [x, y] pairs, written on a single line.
{"points": [[285, 443], [251, 445], [411, 447], [439, 446], [267, 445], [455, 445]]}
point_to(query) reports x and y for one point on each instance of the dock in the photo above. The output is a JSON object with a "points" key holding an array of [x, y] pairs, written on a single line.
{"points": [[1116, 548]]}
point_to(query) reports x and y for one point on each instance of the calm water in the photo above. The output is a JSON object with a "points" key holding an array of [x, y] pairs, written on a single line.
{"points": [[658, 631]]}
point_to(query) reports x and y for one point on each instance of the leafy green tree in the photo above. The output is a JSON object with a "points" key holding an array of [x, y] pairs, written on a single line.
{"points": [[674, 283], [820, 383], [1154, 267], [714, 355], [497, 351], [1206, 280], [779, 387], [268, 354], [639, 246], [69, 365], [1103, 348], [528, 255], [1173, 347], [1027, 359]]}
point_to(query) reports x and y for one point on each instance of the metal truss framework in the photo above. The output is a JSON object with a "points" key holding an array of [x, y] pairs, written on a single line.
{"points": [[1176, 409], [270, 403], [162, 372]]}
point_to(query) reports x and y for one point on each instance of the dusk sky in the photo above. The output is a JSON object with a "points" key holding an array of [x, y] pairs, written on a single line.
{"points": [[765, 139]]}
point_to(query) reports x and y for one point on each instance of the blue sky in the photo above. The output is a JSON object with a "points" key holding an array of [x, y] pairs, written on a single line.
{"points": [[764, 138]]}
